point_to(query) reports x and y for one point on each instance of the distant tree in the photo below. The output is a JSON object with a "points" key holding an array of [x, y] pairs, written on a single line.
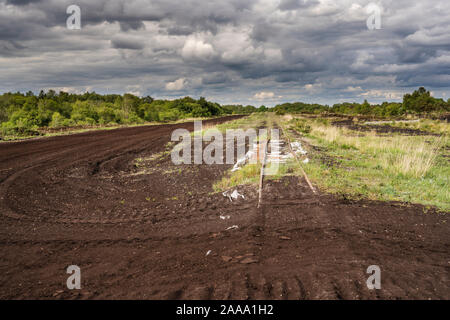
{"points": [[262, 108], [422, 101], [147, 99]]}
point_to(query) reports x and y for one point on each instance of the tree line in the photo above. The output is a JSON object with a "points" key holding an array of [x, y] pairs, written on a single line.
{"points": [[419, 102], [25, 113]]}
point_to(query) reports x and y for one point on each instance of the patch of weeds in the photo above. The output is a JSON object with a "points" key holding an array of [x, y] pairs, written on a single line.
{"points": [[299, 125], [426, 209], [138, 162], [322, 121], [348, 147], [248, 174]]}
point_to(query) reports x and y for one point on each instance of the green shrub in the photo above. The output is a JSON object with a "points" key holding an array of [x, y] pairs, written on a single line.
{"points": [[57, 120], [301, 126]]}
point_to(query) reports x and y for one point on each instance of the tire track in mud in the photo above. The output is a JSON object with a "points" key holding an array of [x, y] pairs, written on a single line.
{"points": [[92, 148], [12, 211]]}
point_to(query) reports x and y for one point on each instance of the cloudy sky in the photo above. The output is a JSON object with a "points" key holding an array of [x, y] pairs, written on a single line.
{"points": [[230, 51]]}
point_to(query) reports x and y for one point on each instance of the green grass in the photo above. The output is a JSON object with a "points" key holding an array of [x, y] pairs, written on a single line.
{"points": [[255, 120], [249, 174], [412, 169]]}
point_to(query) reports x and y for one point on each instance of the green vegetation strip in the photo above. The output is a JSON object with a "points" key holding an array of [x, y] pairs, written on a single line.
{"points": [[395, 167], [25, 115], [420, 102]]}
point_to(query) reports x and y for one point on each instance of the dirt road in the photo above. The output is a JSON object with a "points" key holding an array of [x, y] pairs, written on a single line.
{"points": [[152, 230]]}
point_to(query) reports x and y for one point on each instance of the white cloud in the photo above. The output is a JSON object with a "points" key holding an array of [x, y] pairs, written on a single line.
{"points": [[273, 54], [325, 8], [353, 89], [393, 68], [176, 85], [134, 90], [362, 59], [264, 95], [430, 37], [312, 87], [236, 46], [386, 94], [197, 49]]}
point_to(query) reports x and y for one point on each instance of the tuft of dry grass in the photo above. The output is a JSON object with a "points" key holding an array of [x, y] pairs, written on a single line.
{"points": [[411, 157]]}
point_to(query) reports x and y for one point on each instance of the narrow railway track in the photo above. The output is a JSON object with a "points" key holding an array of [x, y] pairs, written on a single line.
{"points": [[296, 158]]}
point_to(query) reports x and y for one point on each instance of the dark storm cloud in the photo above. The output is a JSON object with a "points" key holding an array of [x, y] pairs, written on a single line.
{"points": [[9, 48], [126, 44], [263, 30], [21, 2], [131, 25], [216, 78], [296, 4], [229, 49], [410, 54]]}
